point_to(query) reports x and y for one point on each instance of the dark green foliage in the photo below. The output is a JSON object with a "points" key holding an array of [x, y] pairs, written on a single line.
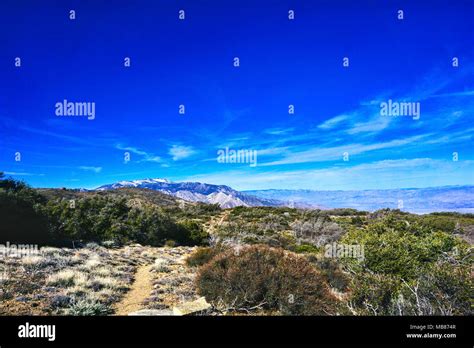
{"points": [[20, 215], [69, 215], [98, 218], [345, 212], [194, 233], [399, 247], [357, 221], [445, 289], [306, 248], [409, 269], [374, 294]]}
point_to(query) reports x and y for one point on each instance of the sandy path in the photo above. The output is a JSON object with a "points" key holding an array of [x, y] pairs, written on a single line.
{"points": [[140, 290], [216, 221]]}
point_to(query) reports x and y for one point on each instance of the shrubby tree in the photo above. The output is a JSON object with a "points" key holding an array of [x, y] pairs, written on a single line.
{"points": [[21, 218], [260, 277], [100, 218], [408, 269]]}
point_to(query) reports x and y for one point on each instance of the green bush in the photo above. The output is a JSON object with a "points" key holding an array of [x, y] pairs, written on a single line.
{"points": [[398, 248], [194, 233], [331, 271], [443, 290], [306, 248], [108, 218], [88, 308], [202, 256], [262, 277], [374, 294], [22, 221], [408, 269]]}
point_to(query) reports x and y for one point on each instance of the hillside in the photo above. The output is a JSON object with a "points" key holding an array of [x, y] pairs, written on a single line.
{"points": [[137, 251]]}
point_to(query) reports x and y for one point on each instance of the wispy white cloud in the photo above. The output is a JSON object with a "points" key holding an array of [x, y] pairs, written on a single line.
{"points": [[278, 131], [333, 122], [22, 174], [321, 154], [91, 169], [374, 125], [179, 152], [453, 94]]}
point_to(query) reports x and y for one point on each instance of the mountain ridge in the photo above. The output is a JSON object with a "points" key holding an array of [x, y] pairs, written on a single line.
{"points": [[223, 195]]}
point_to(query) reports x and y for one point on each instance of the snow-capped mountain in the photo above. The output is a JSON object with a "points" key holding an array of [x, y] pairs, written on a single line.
{"points": [[223, 195]]}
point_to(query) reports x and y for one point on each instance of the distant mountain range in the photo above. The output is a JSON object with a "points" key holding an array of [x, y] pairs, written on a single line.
{"points": [[414, 200], [223, 195]]}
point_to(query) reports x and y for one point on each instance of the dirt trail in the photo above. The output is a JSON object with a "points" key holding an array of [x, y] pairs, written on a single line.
{"points": [[140, 290], [216, 221]]}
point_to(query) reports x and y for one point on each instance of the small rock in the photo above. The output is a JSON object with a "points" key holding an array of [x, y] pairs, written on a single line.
{"points": [[39, 297], [192, 307], [61, 301], [49, 289], [22, 299]]}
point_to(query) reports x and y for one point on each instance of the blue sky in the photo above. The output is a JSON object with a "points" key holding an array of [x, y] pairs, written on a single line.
{"points": [[282, 62]]}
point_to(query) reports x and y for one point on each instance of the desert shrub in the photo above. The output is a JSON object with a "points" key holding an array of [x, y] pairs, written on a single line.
{"points": [[202, 256], [162, 265], [357, 221], [262, 277], [193, 233], [438, 222], [408, 269], [112, 220], [344, 212], [317, 231], [443, 290], [398, 248], [305, 248], [170, 243], [332, 272], [374, 294], [88, 307], [197, 210]]}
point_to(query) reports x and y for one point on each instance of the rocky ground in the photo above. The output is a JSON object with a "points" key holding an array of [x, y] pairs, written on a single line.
{"points": [[95, 280]]}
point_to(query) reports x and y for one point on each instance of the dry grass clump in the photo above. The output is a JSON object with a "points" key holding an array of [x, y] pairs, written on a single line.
{"points": [[35, 261], [67, 278], [102, 272], [100, 283], [161, 265], [77, 291], [47, 251]]}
